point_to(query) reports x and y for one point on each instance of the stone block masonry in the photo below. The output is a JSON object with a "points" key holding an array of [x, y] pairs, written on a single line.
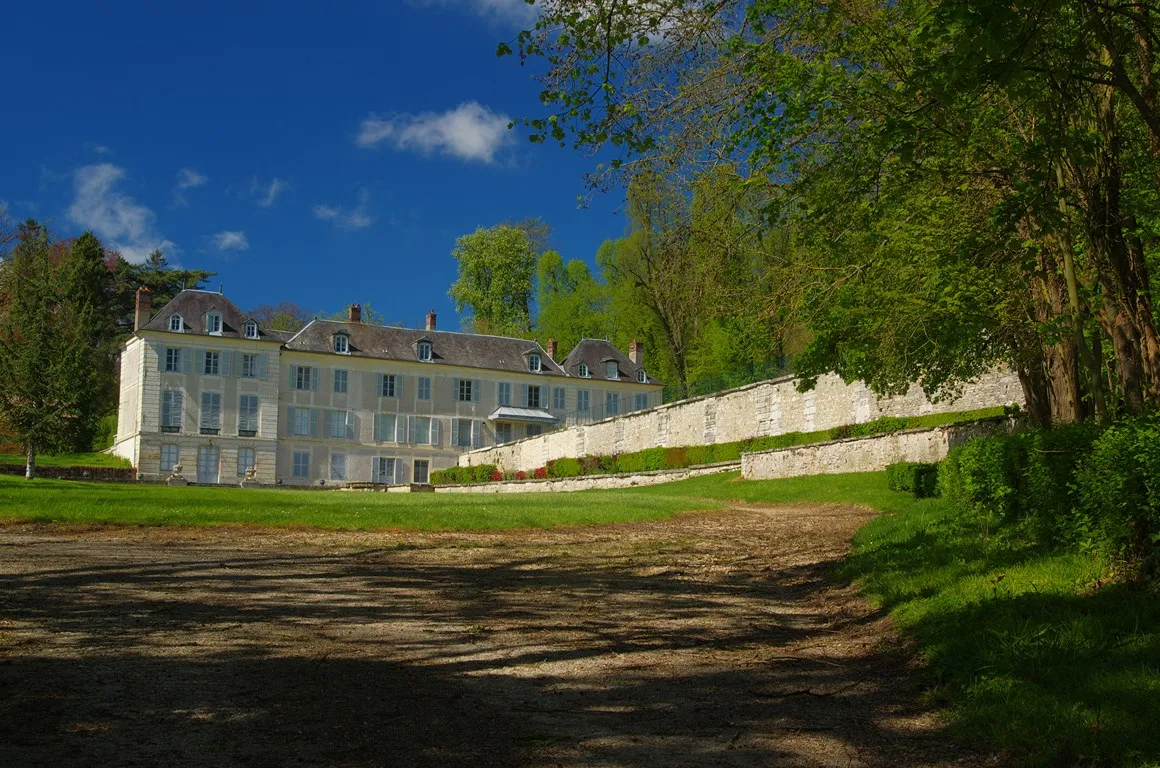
{"points": [[772, 407]]}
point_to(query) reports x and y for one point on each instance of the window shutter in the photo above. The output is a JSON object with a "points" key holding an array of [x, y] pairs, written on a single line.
{"points": [[476, 434], [400, 429], [262, 365], [454, 432], [455, 390], [351, 425], [400, 471], [293, 374], [199, 361], [476, 386], [314, 379], [435, 432], [328, 423], [160, 352], [186, 358], [414, 430], [290, 420], [225, 363], [398, 385], [378, 385], [314, 422], [524, 394], [378, 427]]}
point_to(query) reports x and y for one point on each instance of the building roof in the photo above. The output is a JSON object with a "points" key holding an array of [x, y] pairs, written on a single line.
{"points": [[194, 305], [595, 353], [469, 350], [512, 413]]}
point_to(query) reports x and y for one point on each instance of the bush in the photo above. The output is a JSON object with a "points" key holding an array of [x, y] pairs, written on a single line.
{"points": [[497, 476], [1119, 487], [607, 465], [565, 468], [540, 473], [521, 475], [983, 476], [1050, 499], [676, 458], [918, 478], [589, 465], [647, 460], [480, 473]]}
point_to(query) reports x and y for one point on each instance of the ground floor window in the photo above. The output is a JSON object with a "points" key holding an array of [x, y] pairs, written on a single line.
{"points": [[301, 463], [245, 460], [338, 466], [385, 471], [422, 470], [534, 430], [611, 403], [169, 456], [503, 433], [641, 401], [208, 464]]}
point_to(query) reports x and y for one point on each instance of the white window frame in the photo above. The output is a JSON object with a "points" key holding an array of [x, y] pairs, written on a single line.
{"points": [[173, 359], [559, 398], [466, 387], [213, 323], [583, 371], [341, 344], [341, 375], [175, 410], [503, 393], [341, 474], [423, 388], [248, 422], [211, 407], [612, 370], [211, 364], [337, 425], [302, 378], [611, 403], [387, 436], [535, 365], [539, 390], [249, 365], [296, 465], [389, 387], [503, 433], [534, 430], [425, 351], [583, 400], [251, 329], [464, 432], [641, 376], [301, 415], [640, 401], [426, 464], [168, 462], [380, 461], [176, 324], [422, 436], [243, 463]]}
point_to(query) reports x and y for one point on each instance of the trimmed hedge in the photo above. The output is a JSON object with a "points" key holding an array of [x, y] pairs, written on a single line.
{"points": [[480, 473], [918, 478]]}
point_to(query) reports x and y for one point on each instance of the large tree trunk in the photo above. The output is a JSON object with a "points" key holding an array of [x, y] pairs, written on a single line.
{"points": [[30, 461]]}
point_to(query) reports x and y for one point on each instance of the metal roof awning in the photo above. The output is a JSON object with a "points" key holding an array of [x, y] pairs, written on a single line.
{"points": [[532, 415]]}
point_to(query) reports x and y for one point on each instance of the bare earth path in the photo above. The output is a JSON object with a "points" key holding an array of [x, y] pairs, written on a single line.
{"points": [[711, 640]]}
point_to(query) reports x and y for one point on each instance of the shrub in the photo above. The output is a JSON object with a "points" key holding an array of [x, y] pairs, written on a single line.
{"points": [[497, 476], [676, 458], [916, 477], [983, 476], [540, 473], [882, 425], [841, 432], [1119, 486], [641, 461], [521, 475], [607, 465], [480, 473], [589, 465], [439, 477], [1050, 499], [565, 468]]}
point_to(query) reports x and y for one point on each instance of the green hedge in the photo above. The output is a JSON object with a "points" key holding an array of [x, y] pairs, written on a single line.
{"points": [[915, 477], [480, 473]]}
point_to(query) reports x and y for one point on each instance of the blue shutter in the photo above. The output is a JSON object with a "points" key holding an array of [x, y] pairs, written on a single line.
{"points": [[524, 395], [455, 390], [224, 369], [314, 376], [398, 385], [351, 425], [293, 374], [160, 352], [314, 426], [476, 434], [436, 432], [400, 429], [378, 428], [199, 361], [454, 432], [291, 412], [262, 365], [476, 388]]}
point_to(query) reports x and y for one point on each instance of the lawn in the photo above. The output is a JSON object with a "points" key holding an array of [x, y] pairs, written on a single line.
{"points": [[69, 460]]}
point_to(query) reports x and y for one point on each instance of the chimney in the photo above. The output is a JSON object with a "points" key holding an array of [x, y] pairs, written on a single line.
{"points": [[431, 320], [144, 307], [552, 349], [636, 352], [354, 314]]}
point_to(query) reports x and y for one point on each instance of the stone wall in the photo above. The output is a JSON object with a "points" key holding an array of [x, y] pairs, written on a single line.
{"points": [[115, 474], [627, 480], [864, 454], [767, 408]]}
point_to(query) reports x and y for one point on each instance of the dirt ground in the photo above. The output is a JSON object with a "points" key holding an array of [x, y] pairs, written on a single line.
{"points": [[711, 640]]}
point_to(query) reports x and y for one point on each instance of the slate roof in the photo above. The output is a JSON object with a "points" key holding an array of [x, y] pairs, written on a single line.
{"points": [[496, 353], [194, 305], [596, 352]]}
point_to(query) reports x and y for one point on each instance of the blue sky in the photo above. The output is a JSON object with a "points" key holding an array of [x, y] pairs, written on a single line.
{"points": [[307, 152]]}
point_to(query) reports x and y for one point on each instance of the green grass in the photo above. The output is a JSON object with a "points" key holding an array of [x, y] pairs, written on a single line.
{"points": [[62, 501], [69, 460]]}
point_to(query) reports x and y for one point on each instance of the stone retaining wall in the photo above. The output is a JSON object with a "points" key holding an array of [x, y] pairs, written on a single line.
{"points": [[865, 454], [627, 480], [115, 474], [767, 408]]}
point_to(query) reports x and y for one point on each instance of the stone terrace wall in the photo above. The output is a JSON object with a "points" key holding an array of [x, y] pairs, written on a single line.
{"points": [[589, 482], [767, 408], [864, 454], [116, 474]]}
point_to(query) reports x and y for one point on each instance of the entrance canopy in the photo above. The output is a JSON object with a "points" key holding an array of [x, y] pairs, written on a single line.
{"points": [[525, 415]]}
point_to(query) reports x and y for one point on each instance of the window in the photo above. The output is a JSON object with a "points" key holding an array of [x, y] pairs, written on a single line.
{"points": [[213, 323], [385, 428], [245, 460], [422, 470], [213, 364], [211, 413], [424, 388], [558, 398], [583, 371], [338, 466], [421, 430], [424, 350], [176, 324], [341, 343], [503, 433], [465, 391], [301, 463], [385, 471], [582, 401], [303, 377], [641, 376], [300, 421], [534, 363], [340, 379], [612, 370], [533, 396], [336, 424], [248, 416], [640, 402], [504, 393], [611, 404], [169, 456], [251, 329], [171, 401], [249, 366], [172, 360], [387, 385], [534, 430], [463, 429]]}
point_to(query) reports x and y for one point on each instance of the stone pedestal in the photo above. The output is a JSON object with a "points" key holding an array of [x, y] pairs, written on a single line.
{"points": [[177, 481], [422, 488], [250, 484]]}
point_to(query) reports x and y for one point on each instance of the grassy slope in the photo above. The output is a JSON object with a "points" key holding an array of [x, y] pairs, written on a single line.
{"points": [[75, 502], [70, 460]]}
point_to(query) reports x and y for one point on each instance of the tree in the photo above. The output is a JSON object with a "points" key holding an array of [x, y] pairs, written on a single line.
{"points": [[496, 283], [87, 292], [46, 357], [286, 316], [571, 304]]}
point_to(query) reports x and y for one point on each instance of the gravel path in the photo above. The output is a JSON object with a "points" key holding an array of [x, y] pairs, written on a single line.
{"points": [[714, 639]]}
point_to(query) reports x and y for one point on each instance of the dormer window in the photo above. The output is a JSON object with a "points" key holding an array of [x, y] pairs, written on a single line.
{"points": [[176, 324], [534, 363], [425, 351], [341, 344], [583, 371], [612, 370], [641, 376], [251, 329], [213, 323]]}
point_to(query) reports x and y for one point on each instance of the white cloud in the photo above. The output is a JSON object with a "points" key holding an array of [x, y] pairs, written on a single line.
{"points": [[471, 131], [267, 194], [231, 241], [504, 11], [188, 177], [355, 218], [124, 224], [99, 149]]}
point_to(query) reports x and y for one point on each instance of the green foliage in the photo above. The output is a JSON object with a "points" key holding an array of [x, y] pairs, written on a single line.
{"points": [[920, 479], [478, 473], [1049, 497], [571, 304], [70, 460], [106, 432], [984, 476], [497, 269], [565, 468], [648, 460]]}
